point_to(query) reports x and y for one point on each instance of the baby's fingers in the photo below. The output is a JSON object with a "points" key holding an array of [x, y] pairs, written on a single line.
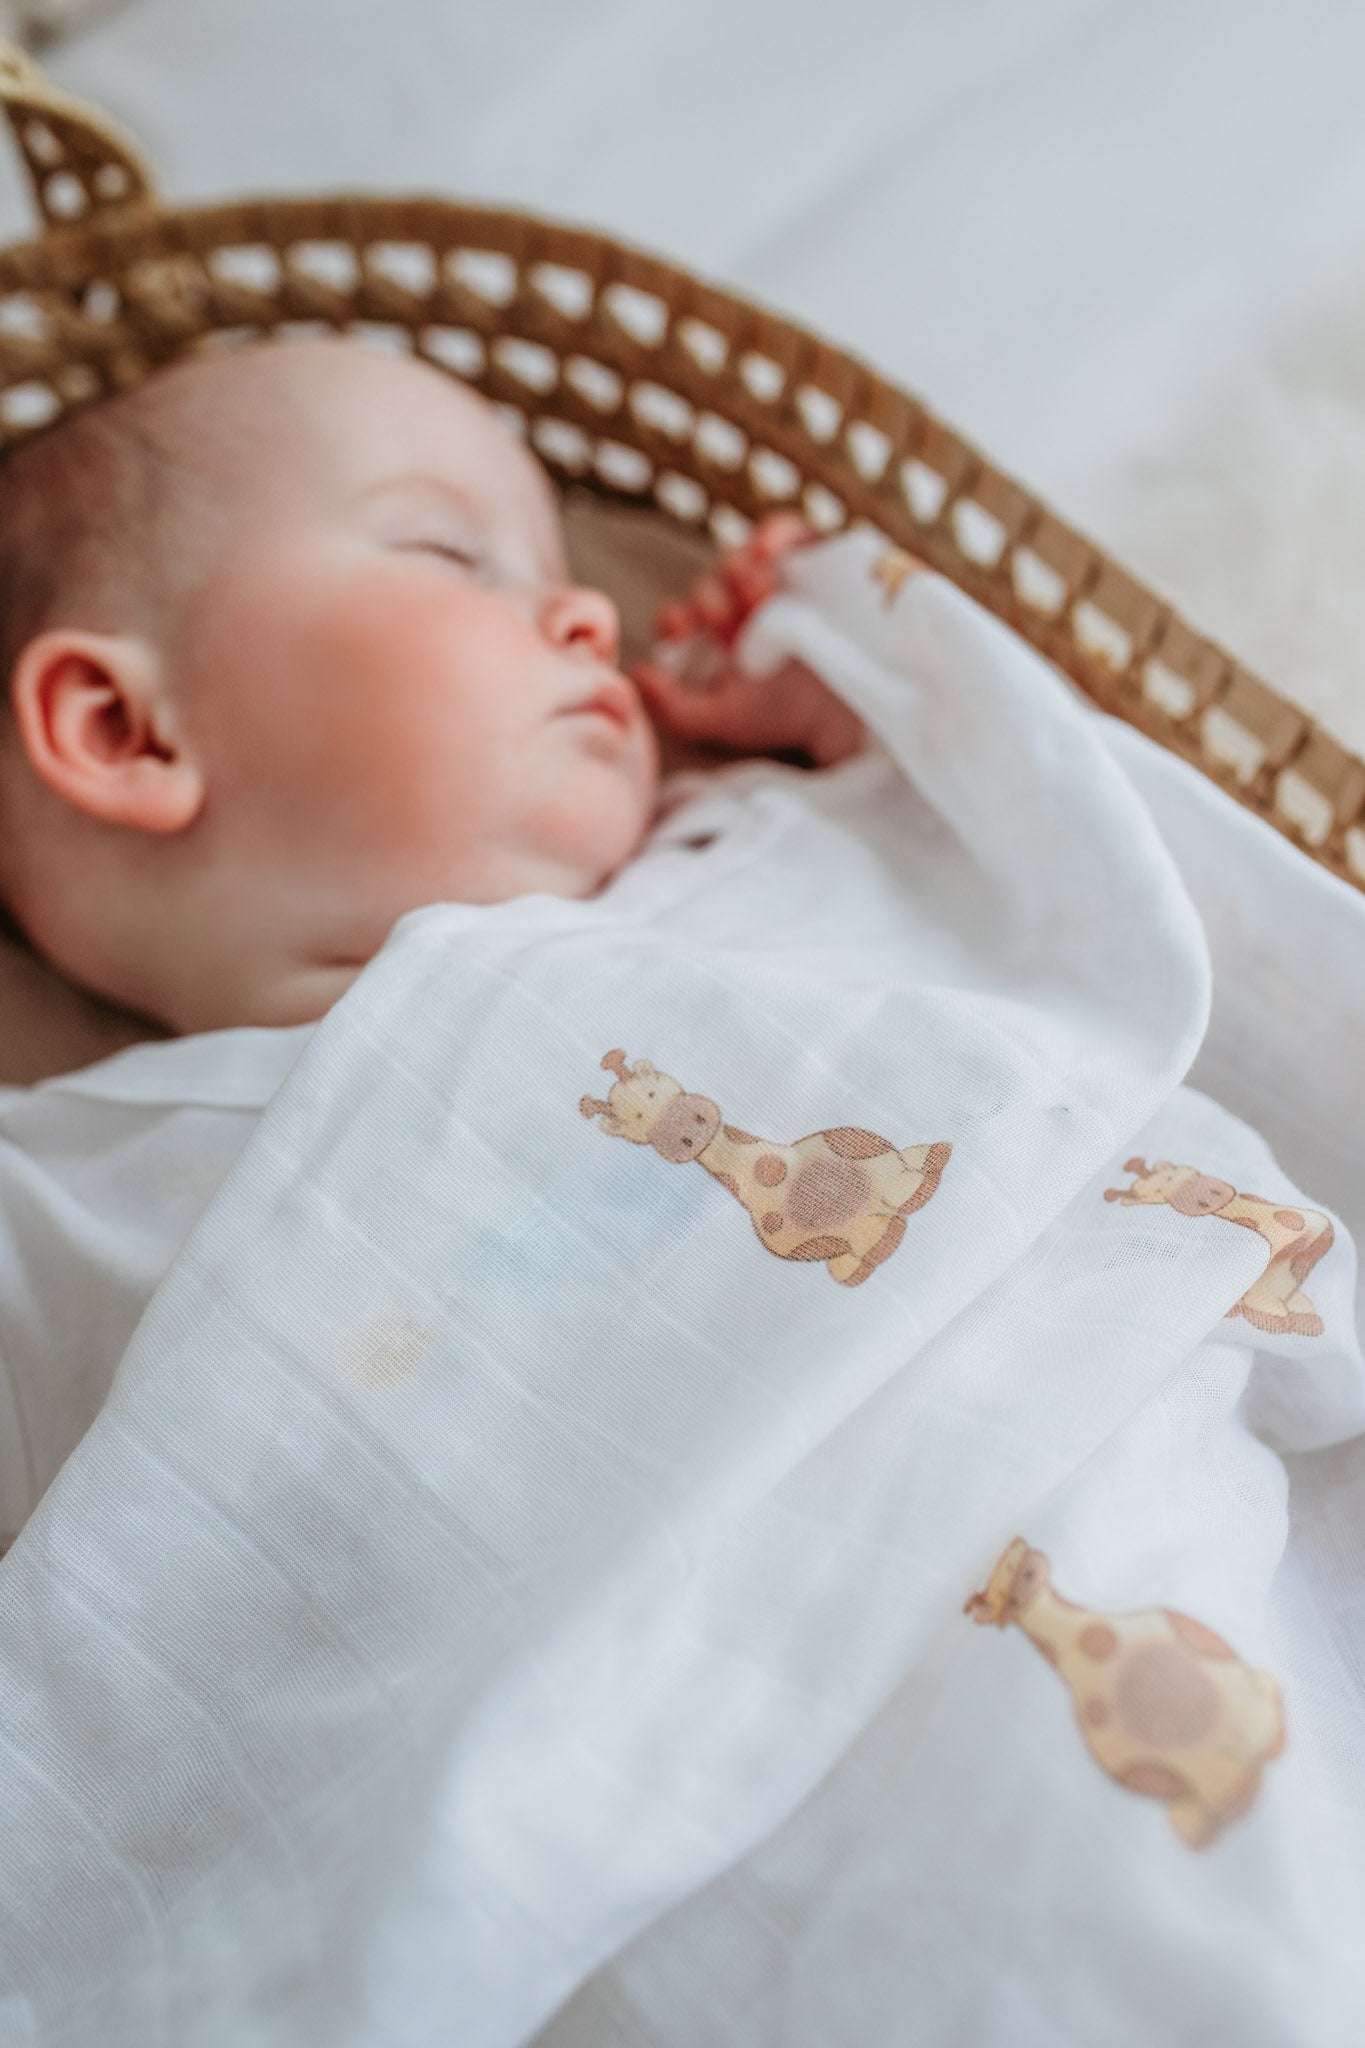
{"points": [[777, 533], [721, 601], [691, 710], [694, 666], [752, 571]]}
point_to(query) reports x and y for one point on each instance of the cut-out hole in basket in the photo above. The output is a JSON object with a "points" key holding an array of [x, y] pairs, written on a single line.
{"points": [[666, 411], [1037, 584], [1305, 807], [728, 526], [410, 265], [820, 414], [625, 469], [720, 441], [65, 195], [602, 387], [512, 418], [101, 301], [455, 348], [568, 291], [305, 330], [111, 181], [683, 496], [773, 475], [41, 143], [487, 273], [1353, 845], [705, 344], [925, 490], [1171, 693], [530, 362], [870, 449], [1231, 745], [22, 317], [251, 264], [825, 512], [28, 405], [389, 336], [332, 264], [1099, 635], [763, 376], [979, 534], [561, 442], [639, 314]]}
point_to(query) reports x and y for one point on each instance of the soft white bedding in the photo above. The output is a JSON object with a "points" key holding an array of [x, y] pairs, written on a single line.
{"points": [[523, 1555]]}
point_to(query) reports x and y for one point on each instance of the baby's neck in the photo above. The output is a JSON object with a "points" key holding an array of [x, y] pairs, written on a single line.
{"points": [[204, 948], [179, 955], [214, 995]]}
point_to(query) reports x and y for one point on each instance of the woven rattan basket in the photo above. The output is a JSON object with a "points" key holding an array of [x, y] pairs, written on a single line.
{"points": [[638, 380]]}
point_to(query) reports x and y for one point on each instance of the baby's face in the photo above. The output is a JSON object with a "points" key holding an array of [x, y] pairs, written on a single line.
{"points": [[396, 695]]}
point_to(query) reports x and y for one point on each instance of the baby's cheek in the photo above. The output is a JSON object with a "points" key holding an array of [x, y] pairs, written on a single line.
{"points": [[414, 753], [397, 680], [369, 650]]}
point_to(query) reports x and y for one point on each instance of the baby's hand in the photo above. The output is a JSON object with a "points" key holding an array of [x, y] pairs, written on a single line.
{"points": [[694, 688]]}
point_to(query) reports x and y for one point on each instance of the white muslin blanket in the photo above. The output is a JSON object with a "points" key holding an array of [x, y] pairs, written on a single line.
{"points": [[719, 1470]]}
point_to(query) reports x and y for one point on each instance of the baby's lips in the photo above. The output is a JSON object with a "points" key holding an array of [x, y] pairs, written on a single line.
{"points": [[615, 697]]}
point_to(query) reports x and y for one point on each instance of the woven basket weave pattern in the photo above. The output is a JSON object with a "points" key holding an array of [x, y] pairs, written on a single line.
{"points": [[640, 380]]}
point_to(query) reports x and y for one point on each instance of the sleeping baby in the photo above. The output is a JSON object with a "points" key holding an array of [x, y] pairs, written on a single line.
{"points": [[505, 1406], [292, 651], [311, 659]]}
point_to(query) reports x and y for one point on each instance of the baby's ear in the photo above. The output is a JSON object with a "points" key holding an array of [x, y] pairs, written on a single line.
{"points": [[96, 721]]}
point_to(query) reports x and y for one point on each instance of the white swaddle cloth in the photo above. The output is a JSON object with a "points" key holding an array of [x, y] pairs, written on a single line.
{"points": [[523, 1555]]}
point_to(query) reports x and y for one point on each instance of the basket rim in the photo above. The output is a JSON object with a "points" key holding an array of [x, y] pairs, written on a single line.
{"points": [[1293, 751]]}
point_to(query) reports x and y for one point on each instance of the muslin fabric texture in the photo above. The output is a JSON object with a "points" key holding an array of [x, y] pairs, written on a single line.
{"points": [[103, 1172], [501, 1598]]}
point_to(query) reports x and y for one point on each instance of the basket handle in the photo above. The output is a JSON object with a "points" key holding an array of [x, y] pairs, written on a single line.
{"points": [[81, 166]]}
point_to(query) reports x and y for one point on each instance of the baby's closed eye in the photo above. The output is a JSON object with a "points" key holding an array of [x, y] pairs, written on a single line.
{"points": [[468, 557]]}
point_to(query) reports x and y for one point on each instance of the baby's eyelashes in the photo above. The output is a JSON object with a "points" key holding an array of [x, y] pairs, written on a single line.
{"points": [[467, 557], [473, 564]]}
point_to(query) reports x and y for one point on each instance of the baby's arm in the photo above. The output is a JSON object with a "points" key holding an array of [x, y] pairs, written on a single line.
{"points": [[695, 689]]}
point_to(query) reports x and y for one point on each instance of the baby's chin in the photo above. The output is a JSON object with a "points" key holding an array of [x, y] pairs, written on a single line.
{"points": [[573, 847], [578, 862], [618, 820], [592, 868]]}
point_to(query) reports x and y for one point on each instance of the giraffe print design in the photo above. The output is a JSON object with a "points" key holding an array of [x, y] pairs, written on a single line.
{"points": [[840, 1196], [1166, 1707], [1297, 1239]]}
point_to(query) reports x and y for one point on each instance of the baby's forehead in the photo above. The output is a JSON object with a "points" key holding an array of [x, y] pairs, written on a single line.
{"points": [[336, 417]]}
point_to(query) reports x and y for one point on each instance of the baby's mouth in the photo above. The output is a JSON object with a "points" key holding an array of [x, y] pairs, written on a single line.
{"points": [[614, 698]]}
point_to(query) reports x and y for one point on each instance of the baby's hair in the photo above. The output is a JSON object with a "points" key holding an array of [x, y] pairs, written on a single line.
{"points": [[82, 516]]}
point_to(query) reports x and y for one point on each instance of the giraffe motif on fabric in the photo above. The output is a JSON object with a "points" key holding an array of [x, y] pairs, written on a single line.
{"points": [[1165, 1706], [840, 1195], [1297, 1239], [892, 570]]}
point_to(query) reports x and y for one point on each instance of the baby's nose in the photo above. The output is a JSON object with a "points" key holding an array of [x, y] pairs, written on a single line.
{"points": [[577, 618]]}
